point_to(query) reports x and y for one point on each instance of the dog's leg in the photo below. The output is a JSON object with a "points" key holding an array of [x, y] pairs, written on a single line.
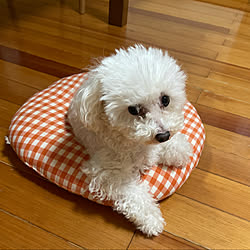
{"points": [[175, 152], [138, 205], [114, 179]]}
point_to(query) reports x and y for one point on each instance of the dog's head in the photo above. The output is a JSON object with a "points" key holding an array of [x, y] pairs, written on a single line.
{"points": [[140, 92]]}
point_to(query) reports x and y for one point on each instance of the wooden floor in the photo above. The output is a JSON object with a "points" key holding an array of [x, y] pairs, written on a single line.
{"points": [[43, 40]]}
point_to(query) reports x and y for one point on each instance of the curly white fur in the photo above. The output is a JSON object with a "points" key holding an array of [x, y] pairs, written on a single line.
{"points": [[123, 145]]}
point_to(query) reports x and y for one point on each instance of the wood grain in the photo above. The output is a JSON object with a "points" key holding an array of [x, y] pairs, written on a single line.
{"points": [[224, 120], [216, 191], [42, 41], [225, 164], [174, 26], [193, 93], [243, 17], [227, 141], [226, 104], [213, 65], [26, 76], [3, 155], [237, 43], [36, 63], [26, 39], [236, 56], [19, 234], [164, 241], [15, 92], [7, 110], [237, 4], [205, 225], [240, 28], [62, 213], [220, 88], [172, 8], [174, 42], [233, 81]]}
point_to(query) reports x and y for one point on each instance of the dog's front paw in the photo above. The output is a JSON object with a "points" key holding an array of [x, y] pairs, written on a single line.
{"points": [[177, 151], [153, 225], [138, 205]]}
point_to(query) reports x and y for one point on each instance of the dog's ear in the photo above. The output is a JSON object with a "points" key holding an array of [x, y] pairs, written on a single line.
{"points": [[87, 101]]}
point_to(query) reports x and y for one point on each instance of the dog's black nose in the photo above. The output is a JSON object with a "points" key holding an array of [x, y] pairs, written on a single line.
{"points": [[161, 137]]}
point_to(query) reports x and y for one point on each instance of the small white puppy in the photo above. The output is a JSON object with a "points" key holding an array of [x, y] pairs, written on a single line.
{"points": [[127, 114]]}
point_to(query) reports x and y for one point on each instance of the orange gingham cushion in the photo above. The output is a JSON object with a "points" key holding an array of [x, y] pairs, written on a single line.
{"points": [[44, 141]]}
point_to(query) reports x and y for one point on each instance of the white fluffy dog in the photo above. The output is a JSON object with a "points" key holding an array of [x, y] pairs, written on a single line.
{"points": [[127, 114]]}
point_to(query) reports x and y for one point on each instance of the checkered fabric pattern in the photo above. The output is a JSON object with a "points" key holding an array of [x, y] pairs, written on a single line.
{"points": [[43, 140]]}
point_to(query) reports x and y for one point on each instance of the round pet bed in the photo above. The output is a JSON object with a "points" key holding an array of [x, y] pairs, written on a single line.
{"points": [[43, 140]]}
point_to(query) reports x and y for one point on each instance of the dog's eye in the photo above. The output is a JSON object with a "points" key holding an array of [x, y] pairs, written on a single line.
{"points": [[133, 110], [165, 100]]}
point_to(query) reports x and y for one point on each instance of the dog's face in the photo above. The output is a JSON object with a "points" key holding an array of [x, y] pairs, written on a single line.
{"points": [[142, 93]]}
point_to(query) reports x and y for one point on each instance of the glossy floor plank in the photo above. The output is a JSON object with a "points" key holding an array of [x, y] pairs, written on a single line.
{"points": [[227, 141], [220, 88], [20, 234], [14, 91], [223, 119], [223, 103], [236, 4], [164, 241], [191, 12], [38, 63], [55, 210], [225, 164], [232, 81], [205, 225], [7, 110], [42, 41], [217, 191], [238, 57], [26, 75]]}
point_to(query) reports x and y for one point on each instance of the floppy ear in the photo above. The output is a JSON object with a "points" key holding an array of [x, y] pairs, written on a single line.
{"points": [[87, 101]]}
